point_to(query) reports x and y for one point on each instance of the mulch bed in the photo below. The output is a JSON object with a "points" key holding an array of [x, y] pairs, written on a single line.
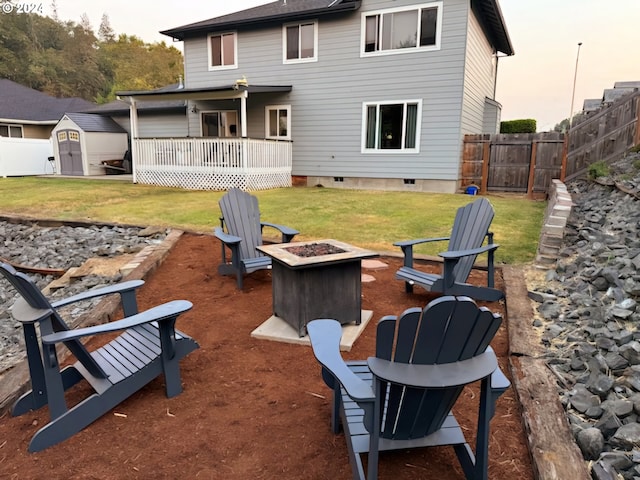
{"points": [[250, 408]]}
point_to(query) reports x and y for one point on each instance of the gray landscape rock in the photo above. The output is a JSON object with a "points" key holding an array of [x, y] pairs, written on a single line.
{"points": [[589, 317], [591, 443], [60, 247]]}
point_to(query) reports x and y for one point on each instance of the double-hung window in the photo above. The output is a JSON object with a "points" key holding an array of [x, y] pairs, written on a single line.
{"points": [[300, 42], [392, 126], [278, 122], [401, 30], [13, 131], [222, 49]]}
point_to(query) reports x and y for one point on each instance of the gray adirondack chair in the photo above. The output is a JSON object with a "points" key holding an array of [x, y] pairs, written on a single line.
{"points": [[402, 398], [148, 346], [240, 231], [470, 229]]}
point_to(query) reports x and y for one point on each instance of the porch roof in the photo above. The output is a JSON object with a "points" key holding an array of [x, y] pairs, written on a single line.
{"points": [[208, 93]]}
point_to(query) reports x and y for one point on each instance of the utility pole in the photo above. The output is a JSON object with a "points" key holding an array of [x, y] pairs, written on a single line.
{"points": [[573, 95]]}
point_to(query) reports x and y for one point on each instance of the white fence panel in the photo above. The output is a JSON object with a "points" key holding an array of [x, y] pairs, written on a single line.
{"points": [[213, 163], [25, 156]]}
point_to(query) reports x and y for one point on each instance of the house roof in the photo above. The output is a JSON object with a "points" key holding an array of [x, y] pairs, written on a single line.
{"points": [[288, 10], [120, 107], [221, 91], [95, 123], [22, 104], [280, 10]]}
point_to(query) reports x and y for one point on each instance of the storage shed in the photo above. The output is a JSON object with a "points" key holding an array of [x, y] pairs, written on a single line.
{"points": [[83, 143]]}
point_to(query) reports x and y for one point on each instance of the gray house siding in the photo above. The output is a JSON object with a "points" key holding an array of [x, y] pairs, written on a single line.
{"points": [[479, 77], [157, 126], [327, 96]]}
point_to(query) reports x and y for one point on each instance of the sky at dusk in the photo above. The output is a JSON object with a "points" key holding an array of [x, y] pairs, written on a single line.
{"points": [[537, 82]]}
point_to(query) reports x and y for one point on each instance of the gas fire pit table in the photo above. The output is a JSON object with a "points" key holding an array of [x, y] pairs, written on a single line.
{"points": [[317, 279]]}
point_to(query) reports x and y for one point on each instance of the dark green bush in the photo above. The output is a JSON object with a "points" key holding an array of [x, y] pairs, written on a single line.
{"points": [[525, 125], [598, 169]]}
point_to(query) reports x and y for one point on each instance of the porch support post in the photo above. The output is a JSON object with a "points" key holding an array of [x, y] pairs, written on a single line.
{"points": [[133, 118], [243, 113]]}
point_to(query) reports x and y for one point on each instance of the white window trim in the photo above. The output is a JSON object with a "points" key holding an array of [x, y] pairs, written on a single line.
{"points": [[13, 125], [391, 151], [285, 60], [427, 48], [266, 122], [235, 52]]}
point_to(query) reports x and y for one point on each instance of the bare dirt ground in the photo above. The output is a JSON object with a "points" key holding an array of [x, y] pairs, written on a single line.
{"points": [[250, 408]]}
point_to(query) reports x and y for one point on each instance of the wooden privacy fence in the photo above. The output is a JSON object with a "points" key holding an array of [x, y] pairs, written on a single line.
{"points": [[528, 162], [604, 135], [520, 163]]}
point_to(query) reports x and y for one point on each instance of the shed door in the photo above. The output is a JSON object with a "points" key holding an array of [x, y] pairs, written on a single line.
{"points": [[70, 152]]}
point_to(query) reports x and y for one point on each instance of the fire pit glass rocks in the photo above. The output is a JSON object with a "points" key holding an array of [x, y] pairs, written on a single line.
{"points": [[319, 279], [314, 249]]}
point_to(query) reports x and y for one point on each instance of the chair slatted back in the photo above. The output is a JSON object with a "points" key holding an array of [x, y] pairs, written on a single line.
{"points": [[445, 331], [470, 228], [241, 217], [50, 320]]}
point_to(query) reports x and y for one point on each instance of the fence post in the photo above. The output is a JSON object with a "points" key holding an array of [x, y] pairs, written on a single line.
{"points": [[565, 154], [486, 153], [636, 139], [532, 168]]}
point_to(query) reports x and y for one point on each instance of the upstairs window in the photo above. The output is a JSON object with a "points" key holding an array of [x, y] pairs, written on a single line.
{"points": [[391, 126], [401, 30], [300, 42], [222, 51]]}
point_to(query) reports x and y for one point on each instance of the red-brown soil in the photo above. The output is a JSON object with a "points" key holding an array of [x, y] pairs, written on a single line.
{"points": [[250, 408]]}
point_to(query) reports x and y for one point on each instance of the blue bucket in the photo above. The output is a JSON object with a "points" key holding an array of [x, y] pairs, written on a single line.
{"points": [[471, 190]]}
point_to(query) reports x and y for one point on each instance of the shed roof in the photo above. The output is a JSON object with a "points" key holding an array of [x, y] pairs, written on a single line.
{"points": [[282, 10], [95, 123]]}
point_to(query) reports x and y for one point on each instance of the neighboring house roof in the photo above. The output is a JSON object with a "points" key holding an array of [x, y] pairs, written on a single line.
{"points": [[612, 94], [632, 84], [95, 123], [289, 10], [22, 104], [591, 104]]}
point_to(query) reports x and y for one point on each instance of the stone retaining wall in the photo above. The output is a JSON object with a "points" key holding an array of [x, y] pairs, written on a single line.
{"points": [[555, 221]]}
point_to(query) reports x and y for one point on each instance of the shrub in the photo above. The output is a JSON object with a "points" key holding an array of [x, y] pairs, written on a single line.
{"points": [[598, 169], [526, 125]]}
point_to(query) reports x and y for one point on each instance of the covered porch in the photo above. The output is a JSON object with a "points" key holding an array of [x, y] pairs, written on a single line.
{"points": [[216, 157]]}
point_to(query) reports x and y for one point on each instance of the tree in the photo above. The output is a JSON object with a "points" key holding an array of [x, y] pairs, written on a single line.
{"points": [[105, 32], [562, 127]]}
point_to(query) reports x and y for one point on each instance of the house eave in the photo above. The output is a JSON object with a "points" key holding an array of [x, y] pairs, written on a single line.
{"points": [[224, 91], [496, 29], [180, 33], [17, 121]]}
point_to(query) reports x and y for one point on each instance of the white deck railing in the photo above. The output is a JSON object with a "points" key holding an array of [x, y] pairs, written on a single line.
{"points": [[212, 163]]}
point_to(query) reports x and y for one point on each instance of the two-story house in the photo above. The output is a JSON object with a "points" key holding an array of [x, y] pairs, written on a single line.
{"points": [[371, 93]]}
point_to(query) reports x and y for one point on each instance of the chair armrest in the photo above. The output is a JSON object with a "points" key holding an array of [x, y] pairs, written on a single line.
{"points": [[225, 237], [99, 292], [325, 337], [442, 375], [287, 233], [465, 253], [162, 312], [410, 243]]}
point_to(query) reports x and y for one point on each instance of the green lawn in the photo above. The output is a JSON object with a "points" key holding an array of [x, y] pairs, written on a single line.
{"points": [[370, 219]]}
